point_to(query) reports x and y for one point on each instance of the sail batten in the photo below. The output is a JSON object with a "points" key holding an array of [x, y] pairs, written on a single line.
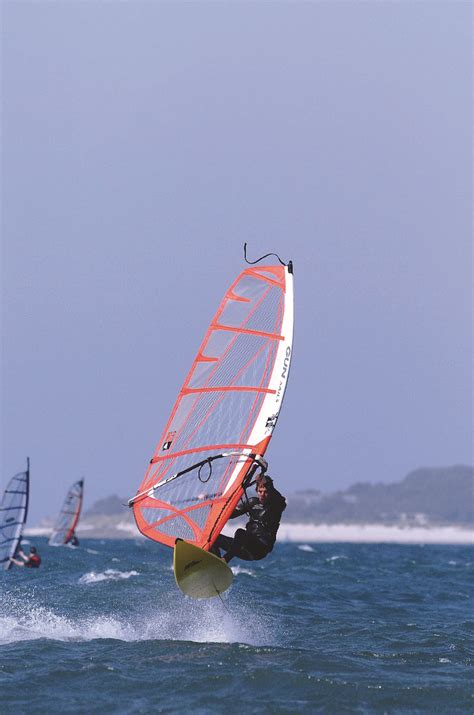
{"points": [[247, 331], [226, 388]]}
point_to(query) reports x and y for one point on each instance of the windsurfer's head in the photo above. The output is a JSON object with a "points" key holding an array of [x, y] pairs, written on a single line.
{"points": [[32, 549], [264, 486]]}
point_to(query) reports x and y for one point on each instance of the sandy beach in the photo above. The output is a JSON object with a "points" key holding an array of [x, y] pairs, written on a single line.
{"points": [[310, 533], [304, 533], [375, 534]]}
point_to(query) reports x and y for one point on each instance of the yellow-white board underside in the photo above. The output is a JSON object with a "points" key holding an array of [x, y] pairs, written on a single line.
{"points": [[198, 573]]}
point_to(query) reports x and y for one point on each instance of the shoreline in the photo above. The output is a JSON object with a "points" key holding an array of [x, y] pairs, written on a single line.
{"points": [[375, 534], [309, 533]]}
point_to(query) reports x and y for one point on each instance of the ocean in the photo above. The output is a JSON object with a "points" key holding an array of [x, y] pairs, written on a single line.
{"points": [[330, 628]]}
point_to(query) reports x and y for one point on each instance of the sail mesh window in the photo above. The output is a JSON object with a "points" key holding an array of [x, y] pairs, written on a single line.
{"points": [[200, 515], [178, 527]]}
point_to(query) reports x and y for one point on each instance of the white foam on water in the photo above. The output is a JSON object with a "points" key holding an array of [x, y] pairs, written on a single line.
{"points": [[92, 551], [107, 575], [209, 621], [177, 619], [236, 570], [305, 547], [335, 558], [38, 622]]}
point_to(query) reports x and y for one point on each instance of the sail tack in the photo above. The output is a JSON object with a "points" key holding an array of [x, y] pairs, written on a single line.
{"points": [[68, 516], [13, 513], [225, 412]]}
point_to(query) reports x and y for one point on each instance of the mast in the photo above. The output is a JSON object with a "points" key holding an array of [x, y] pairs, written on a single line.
{"points": [[27, 489]]}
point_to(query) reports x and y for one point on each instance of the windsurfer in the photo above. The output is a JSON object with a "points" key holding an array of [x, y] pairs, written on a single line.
{"points": [[32, 560], [73, 541], [258, 538]]}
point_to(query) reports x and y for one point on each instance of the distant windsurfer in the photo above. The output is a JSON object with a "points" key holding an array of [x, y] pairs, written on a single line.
{"points": [[73, 541], [257, 539], [31, 561]]}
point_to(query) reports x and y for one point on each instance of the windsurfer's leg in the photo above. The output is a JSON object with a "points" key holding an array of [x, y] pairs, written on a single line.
{"points": [[246, 547], [239, 547], [222, 542]]}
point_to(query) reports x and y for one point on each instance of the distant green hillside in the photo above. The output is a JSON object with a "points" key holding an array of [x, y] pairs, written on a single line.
{"points": [[108, 507], [443, 495]]}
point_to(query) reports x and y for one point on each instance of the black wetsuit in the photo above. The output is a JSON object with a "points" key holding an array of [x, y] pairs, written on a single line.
{"points": [[73, 541], [257, 539]]}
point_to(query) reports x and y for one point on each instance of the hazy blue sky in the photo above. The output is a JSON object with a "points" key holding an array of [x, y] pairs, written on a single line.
{"points": [[143, 143]]}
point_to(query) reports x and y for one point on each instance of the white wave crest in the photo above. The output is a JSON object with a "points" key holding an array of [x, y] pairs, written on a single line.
{"points": [[305, 547], [236, 570], [107, 575], [335, 558]]}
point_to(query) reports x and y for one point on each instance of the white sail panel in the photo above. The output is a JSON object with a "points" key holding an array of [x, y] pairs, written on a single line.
{"points": [[13, 513]]}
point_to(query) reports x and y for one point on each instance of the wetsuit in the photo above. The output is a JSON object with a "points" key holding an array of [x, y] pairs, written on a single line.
{"points": [[257, 539]]}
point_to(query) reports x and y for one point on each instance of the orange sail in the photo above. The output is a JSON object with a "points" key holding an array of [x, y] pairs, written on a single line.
{"points": [[225, 413]]}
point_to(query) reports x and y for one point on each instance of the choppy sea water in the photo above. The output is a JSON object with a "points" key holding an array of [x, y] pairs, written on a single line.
{"points": [[312, 628]]}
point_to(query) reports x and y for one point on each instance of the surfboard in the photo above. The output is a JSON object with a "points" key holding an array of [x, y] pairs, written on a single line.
{"points": [[198, 573]]}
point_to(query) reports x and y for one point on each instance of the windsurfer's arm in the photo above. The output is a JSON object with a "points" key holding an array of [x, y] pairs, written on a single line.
{"points": [[278, 504], [16, 562], [240, 509]]}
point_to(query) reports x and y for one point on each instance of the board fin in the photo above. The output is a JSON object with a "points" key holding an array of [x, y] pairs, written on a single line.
{"points": [[198, 573]]}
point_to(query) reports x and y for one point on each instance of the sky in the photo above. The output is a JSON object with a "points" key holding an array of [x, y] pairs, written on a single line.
{"points": [[143, 143]]}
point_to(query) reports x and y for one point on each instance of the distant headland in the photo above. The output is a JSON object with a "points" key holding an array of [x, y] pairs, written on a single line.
{"points": [[430, 505]]}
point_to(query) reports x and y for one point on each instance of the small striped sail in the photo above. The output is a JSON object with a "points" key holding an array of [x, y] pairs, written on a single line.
{"points": [[225, 412], [68, 516], [13, 513]]}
